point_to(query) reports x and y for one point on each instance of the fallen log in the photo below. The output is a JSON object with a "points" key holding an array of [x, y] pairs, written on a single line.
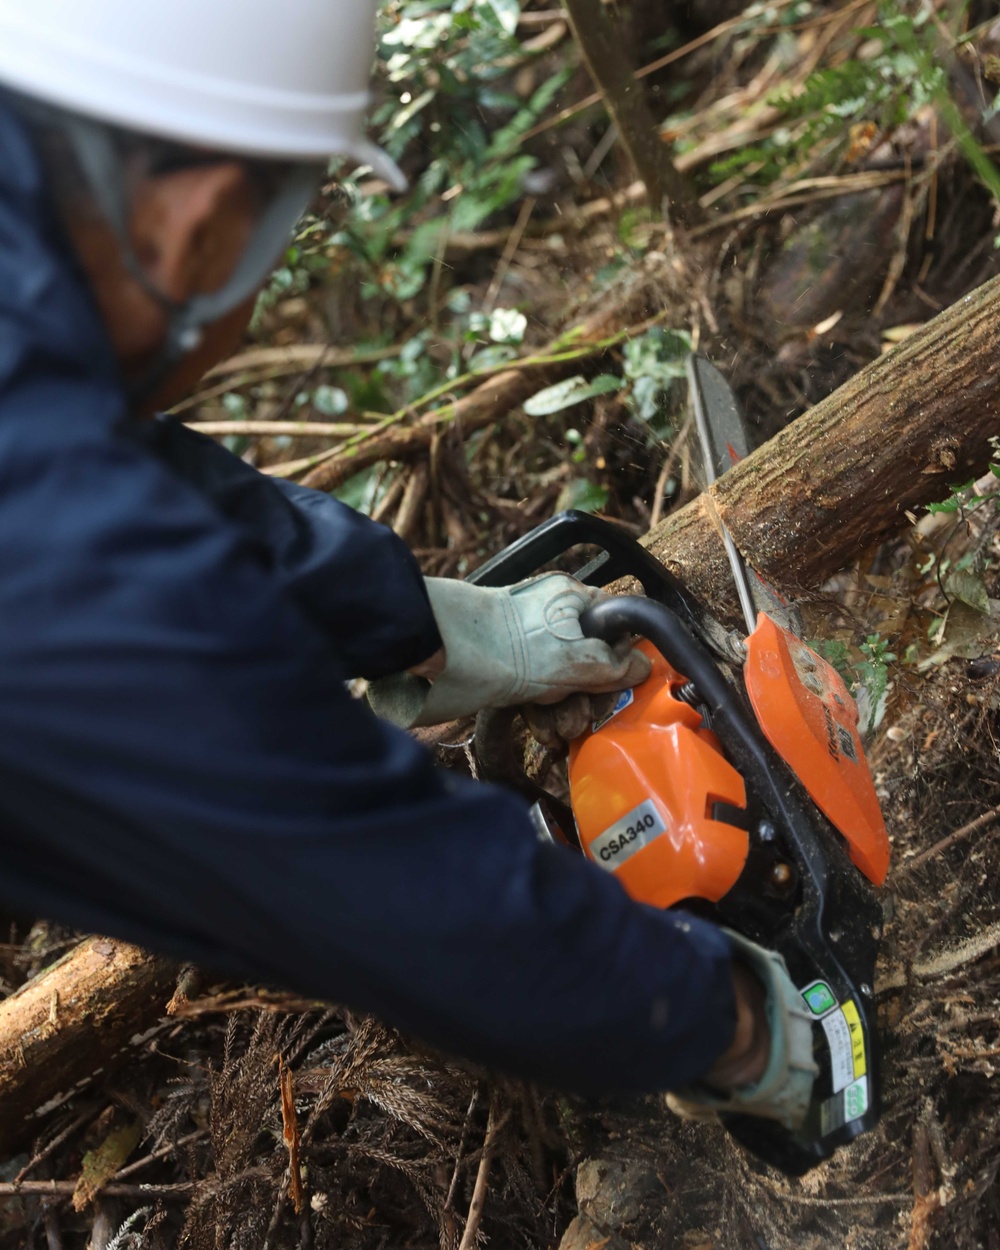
{"points": [[837, 480], [72, 1022]]}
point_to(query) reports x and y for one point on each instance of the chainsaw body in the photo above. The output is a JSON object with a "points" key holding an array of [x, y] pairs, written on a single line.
{"points": [[740, 793]]}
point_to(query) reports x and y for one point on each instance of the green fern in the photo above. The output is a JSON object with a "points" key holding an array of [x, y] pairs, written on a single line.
{"points": [[884, 89]]}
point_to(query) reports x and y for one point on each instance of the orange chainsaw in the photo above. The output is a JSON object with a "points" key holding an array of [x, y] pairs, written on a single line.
{"points": [[733, 783]]}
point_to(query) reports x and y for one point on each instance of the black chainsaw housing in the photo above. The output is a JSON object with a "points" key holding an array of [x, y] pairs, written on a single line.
{"points": [[827, 922]]}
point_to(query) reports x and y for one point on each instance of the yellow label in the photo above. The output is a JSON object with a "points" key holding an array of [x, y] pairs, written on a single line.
{"points": [[857, 1037]]}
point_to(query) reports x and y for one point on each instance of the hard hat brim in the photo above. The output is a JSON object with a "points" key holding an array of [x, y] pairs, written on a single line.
{"points": [[190, 108]]}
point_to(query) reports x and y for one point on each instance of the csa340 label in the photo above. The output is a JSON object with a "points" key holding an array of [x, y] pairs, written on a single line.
{"points": [[631, 833]]}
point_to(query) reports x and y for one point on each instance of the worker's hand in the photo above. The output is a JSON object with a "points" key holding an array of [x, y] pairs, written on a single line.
{"points": [[768, 1069], [555, 725], [504, 647]]}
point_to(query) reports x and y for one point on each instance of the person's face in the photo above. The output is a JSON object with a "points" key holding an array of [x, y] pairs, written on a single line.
{"points": [[189, 228]]}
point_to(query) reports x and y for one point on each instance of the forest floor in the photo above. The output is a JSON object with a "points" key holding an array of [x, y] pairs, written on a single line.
{"points": [[801, 278]]}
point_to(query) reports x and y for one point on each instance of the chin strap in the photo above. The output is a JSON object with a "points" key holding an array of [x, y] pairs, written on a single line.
{"points": [[100, 161]]}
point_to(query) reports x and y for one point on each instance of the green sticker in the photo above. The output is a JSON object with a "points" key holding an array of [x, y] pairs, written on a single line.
{"points": [[819, 998], [856, 1099]]}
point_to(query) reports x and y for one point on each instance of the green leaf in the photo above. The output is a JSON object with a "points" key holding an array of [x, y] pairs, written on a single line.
{"points": [[508, 13], [358, 492], [582, 495], [330, 401], [410, 110], [507, 325], [969, 588], [491, 357], [100, 1165], [569, 392]]}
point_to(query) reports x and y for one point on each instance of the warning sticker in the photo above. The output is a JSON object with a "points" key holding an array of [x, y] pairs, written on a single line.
{"points": [[838, 1038], [857, 1038]]}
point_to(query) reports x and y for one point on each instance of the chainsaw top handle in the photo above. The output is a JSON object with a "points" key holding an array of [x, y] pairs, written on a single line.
{"points": [[621, 615]]}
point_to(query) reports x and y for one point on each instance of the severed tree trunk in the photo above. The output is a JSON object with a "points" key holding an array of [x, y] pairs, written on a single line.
{"points": [[836, 481], [841, 478]]}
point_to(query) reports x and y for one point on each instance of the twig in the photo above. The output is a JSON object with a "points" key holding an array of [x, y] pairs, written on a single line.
{"points": [[926, 1198], [944, 843], [264, 364], [668, 467], [964, 953], [298, 356], [504, 389], [662, 62], [155, 1155], [191, 1009], [898, 262], [819, 189], [670, 193], [290, 1132], [412, 503], [509, 252], [460, 1149], [947, 962], [390, 500], [53, 1234], [54, 1144], [801, 1200], [278, 429], [493, 1128], [66, 1189]]}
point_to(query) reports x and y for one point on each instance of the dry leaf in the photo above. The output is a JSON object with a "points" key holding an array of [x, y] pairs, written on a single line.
{"points": [[100, 1165]]}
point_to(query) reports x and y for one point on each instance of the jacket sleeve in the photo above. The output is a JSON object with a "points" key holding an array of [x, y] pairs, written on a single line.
{"points": [[355, 578], [181, 765]]}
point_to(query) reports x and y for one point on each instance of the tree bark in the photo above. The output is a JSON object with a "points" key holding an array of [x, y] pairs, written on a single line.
{"points": [[841, 478], [601, 43], [74, 1021]]}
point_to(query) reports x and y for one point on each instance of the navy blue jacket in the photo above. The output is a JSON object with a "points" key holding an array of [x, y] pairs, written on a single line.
{"points": [[181, 766]]}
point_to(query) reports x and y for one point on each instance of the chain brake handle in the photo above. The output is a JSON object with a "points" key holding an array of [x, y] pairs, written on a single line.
{"points": [[620, 555]]}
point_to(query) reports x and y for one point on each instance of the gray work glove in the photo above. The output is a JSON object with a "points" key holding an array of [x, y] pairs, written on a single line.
{"points": [[504, 647], [555, 725], [784, 1091]]}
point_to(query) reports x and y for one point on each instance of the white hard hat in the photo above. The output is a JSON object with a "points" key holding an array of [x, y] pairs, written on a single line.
{"points": [[285, 79]]}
